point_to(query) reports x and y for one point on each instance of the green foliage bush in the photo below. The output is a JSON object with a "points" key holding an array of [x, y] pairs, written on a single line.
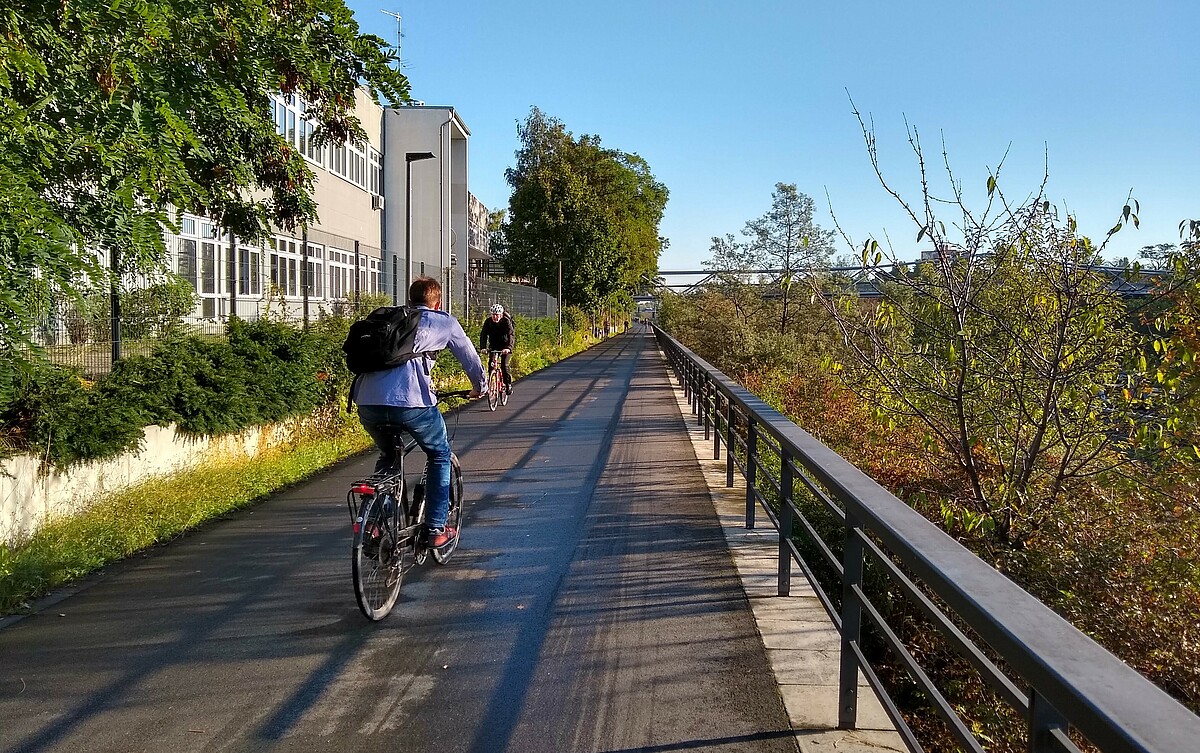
{"points": [[1118, 556], [264, 372], [157, 310], [69, 419]]}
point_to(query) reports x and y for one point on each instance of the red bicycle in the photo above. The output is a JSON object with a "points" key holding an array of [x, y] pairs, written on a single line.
{"points": [[497, 387]]}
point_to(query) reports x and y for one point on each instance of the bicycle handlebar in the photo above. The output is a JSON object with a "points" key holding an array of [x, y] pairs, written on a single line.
{"points": [[464, 394]]}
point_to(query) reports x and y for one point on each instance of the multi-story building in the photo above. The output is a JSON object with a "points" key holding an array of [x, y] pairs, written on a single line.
{"points": [[406, 182], [425, 223]]}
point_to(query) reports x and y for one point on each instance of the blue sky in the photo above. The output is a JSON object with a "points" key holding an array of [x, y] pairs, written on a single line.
{"points": [[724, 100]]}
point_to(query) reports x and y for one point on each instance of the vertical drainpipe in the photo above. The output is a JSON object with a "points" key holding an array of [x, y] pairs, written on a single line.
{"points": [[446, 159]]}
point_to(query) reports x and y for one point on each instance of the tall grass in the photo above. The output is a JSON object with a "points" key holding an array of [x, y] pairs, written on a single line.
{"points": [[158, 510]]}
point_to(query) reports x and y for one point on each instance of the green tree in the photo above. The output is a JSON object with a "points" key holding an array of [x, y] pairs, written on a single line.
{"points": [[785, 240], [596, 209], [111, 113], [1007, 348], [497, 245]]}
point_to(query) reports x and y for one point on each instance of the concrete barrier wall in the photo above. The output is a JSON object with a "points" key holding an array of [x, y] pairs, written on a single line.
{"points": [[31, 494]]}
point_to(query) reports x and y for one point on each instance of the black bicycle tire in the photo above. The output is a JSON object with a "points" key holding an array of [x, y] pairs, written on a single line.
{"points": [[504, 392], [369, 563], [455, 518]]}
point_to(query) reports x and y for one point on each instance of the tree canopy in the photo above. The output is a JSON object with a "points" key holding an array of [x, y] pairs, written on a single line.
{"points": [[112, 113], [785, 239], [597, 209]]}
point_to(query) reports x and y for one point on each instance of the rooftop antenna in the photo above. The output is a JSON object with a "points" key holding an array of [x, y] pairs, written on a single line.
{"points": [[399, 36], [399, 62]]}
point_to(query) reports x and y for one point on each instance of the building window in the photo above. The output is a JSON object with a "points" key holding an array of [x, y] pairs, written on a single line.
{"points": [[255, 265], [186, 265], [376, 160], [249, 260], [208, 267], [312, 151]]}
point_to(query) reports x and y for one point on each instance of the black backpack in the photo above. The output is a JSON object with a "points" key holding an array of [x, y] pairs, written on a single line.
{"points": [[383, 340]]}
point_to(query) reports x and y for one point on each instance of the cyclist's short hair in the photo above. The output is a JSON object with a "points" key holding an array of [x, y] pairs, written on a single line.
{"points": [[424, 291]]}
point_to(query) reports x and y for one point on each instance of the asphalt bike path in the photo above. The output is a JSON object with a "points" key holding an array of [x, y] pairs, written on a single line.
{"points": [[592, 606]]}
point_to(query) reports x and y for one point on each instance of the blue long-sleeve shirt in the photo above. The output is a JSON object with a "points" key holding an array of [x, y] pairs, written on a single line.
{"points": [[409, 385]]}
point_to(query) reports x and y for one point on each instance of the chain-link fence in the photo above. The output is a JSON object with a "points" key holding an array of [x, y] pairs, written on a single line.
{"points": [[517, 299]]}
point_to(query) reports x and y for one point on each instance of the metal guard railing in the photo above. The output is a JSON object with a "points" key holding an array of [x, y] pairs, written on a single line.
{"points": [[1066, 680]]}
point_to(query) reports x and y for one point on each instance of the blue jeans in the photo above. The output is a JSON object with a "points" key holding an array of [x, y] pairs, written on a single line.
{"points": [[427, 426]]}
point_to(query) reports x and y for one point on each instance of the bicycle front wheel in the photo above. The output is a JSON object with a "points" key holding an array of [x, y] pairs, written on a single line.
{"points": [[455, 520], [495, 385], [378, 557]]}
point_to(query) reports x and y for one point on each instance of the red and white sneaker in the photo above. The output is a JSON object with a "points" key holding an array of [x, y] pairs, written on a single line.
{"points": [[440, 537]]}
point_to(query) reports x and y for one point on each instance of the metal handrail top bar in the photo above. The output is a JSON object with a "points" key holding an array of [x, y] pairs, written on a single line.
{"points": [[1104, 698]]}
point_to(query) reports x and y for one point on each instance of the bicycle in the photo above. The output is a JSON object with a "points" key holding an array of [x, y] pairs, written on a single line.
{"points": [[389, 528], [497, 388]]}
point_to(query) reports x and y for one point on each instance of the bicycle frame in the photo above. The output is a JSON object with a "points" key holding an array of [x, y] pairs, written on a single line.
{"points": [[497, 384], [383, 542]]}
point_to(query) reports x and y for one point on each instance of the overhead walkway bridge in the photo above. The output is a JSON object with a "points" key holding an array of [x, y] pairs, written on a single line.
{"points": [[620, 587]]}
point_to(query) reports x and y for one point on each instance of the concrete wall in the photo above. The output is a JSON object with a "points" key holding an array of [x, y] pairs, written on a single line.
{"points": [[29, 497]]}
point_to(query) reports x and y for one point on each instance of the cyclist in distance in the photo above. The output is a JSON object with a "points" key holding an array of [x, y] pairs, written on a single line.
{"points": [[404, 396], [499, 333]]}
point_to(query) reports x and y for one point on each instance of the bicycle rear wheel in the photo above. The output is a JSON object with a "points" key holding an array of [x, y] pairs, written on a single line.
{"points": [[455, 520], [495, 386], [378, 557]]}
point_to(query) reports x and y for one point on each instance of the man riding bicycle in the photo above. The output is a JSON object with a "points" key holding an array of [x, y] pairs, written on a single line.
{"points": [[499, 334], [404, 396]]}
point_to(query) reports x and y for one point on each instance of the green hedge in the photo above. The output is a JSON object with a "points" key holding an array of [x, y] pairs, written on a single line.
{"points": [[263, 372]]}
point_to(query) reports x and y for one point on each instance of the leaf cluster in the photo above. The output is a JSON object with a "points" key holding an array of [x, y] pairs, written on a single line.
{"points": [[112, 114], [597, 209], [782, 246]]}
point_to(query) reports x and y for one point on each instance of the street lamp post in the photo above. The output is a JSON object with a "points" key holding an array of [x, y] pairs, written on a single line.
{"points": [[560, 301], [409, 158]]}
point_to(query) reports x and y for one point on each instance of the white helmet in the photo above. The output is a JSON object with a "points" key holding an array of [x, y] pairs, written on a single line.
{"points": [[497, 308]]}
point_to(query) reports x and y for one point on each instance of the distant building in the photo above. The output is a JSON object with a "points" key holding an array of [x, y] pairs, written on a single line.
{"points": [[478, 237], [946, 251]]}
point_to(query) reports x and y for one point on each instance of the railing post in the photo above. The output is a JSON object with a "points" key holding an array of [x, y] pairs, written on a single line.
{"points": [[702, 406], [785, 523], [716, 424], [692, 381], [729, 445], [852, 562], [751, 468], [1043, 720]]}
